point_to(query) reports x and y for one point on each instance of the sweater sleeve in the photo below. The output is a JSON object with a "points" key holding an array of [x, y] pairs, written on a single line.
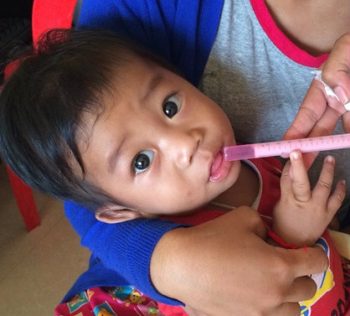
{"points": [[125, 247], [181, 31]]}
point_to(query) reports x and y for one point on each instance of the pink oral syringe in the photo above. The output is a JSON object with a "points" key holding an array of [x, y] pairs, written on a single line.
{"points": [[284, 147]]}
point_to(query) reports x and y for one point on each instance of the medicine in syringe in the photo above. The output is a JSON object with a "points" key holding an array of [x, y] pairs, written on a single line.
{"points": [[284, 147]]}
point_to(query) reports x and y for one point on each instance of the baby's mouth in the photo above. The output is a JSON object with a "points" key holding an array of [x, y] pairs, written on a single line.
{"points": [[216, 166]]}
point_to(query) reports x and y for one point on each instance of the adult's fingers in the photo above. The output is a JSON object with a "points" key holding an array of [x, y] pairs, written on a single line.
{"points": [[286, 309], [325, 126], [336, 73], [327, 123], [305, 261], [310, 112], [314, 118], [346, 122], [336, 70], [302, 289]]}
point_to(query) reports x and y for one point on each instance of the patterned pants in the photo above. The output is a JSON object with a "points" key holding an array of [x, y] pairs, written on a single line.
{"points": [[115, 301]]}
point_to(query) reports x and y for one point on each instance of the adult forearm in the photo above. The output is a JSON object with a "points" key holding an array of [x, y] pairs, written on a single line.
{"points": [[229, 258]]}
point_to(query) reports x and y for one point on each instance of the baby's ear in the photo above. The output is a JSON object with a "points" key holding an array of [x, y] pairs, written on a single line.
{"points": [[113, 214]]}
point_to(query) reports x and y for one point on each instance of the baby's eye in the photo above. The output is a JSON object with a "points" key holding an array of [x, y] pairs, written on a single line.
{"points": [[142, 161], [171, 106]]}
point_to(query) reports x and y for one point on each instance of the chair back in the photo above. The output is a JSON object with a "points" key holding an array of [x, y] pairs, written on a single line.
{"points": [[49, 14]]}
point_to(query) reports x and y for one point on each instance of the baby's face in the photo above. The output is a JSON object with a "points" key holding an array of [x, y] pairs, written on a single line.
{"points": [[157, 147]]}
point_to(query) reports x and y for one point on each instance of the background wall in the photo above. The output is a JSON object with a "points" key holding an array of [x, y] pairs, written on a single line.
{"points": [[15, 8], [15, 30]]}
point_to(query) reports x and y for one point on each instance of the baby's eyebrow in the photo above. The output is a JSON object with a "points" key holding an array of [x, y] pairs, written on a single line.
{"points": [[113, 156], [152, 84]]}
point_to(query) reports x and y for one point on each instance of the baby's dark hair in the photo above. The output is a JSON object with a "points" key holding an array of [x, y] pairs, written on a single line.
{"points": [[42, 104]]}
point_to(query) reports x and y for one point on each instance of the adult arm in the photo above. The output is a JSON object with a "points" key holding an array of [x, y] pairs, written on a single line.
{"points": [[225, 267]]}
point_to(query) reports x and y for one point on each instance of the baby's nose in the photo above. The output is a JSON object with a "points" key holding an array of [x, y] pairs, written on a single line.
{"points": [[180, 147]]}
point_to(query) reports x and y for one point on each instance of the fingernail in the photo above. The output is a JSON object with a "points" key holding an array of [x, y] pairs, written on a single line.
{"points": [[339, 91], [294, 155], [330, 159], [347, 106]]}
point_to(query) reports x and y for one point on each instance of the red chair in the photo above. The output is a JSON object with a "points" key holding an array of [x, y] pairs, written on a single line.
{"points": [[46, 14], [25, 201]]}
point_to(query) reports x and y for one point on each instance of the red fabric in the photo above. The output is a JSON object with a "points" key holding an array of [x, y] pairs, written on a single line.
{"points": [[123, 301], [168, 310]]}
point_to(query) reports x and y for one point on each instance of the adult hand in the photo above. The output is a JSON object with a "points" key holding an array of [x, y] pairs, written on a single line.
{"points": [[225, 267], [319, 112]]}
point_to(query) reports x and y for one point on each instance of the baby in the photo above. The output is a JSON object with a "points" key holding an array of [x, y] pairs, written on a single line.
{"points": [[94, 119]]}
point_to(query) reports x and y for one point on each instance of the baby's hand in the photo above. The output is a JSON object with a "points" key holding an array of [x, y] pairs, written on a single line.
{"points": [[302, 215]]}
